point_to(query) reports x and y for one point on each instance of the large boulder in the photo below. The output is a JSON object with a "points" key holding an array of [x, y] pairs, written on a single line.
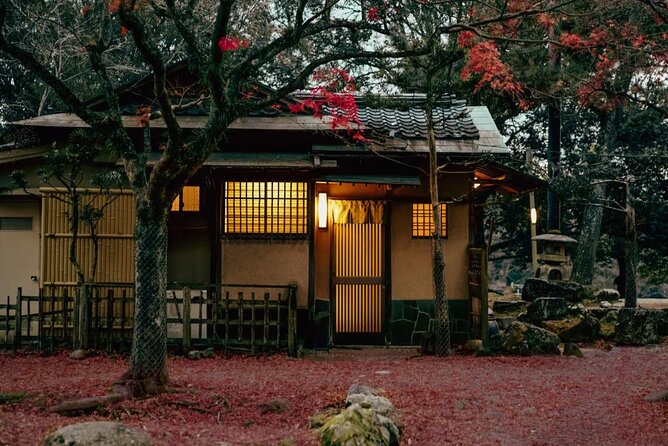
{"points": [[526, 339], [637, 327], [545, 309], [570, 291], [97, 433], [587, 329]]}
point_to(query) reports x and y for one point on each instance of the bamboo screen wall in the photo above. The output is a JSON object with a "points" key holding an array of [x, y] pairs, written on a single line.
{"points": [[115, 233]]}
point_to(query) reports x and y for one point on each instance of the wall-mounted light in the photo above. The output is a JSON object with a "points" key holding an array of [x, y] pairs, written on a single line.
{"points": [[476, 185], [534, 216], [322, 210]]}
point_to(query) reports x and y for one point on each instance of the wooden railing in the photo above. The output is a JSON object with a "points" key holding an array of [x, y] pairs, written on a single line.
{"points": [[227, 316]]}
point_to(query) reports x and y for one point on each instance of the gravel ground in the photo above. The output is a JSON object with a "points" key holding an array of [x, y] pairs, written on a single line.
{"points": [[597, 400]]}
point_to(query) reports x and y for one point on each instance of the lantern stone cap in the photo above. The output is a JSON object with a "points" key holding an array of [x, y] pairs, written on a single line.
{"points": [[560, 238]]}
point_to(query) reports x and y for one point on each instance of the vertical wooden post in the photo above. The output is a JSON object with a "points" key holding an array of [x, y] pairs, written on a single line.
{"points": [[252, 322], [240, 314], [484, 297], [82, 319], [17, 315], [64, 309], [266, 321], [52, 312], [7, 325], [110, 317], [227, 319], [40, 319], [123, 297], [292, 320], [187, 335]]}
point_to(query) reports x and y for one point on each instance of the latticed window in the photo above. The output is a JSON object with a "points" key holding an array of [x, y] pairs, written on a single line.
{"points": [[423, 220], [188, 200], [265, 208]]}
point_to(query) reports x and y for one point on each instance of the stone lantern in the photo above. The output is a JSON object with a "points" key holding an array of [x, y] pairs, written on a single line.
{"points": [[554, 263]]}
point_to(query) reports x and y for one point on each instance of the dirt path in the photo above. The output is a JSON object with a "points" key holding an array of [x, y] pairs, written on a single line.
{"points": [[458, 400]]}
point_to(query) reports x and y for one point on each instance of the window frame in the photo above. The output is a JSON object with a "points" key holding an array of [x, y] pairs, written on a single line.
{"points": [[18, 219], [179, 197], [268, 218], [444, 224]]}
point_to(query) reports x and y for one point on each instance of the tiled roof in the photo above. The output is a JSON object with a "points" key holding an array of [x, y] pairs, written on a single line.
{"points": [[406, 117]]}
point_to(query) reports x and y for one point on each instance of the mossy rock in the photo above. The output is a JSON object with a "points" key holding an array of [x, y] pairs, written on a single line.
{"points": [[637, 327], [608, 322], [358, 426], [558, 326], [587, 329], [526, 340], [11, 397]]}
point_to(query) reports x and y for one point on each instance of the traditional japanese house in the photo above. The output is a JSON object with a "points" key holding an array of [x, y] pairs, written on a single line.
{"points": [[287, 200]]}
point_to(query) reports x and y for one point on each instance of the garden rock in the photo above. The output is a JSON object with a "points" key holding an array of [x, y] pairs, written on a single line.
{"points": [[508, 306], [276, 406], [504, 322], [545, 309], [663, 323], [473, 345], [588, 329], [600, 313], [367, 420], [78, 354], [659, 395], [605, 304], [526, 339], [536, 288], [637, 327], [97, 433], [571, 349], [608, 323], [607, 294], [357, 426]]}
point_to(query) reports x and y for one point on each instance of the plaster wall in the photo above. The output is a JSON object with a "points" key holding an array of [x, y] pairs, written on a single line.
{"points": [[264, 263], [19, 251]]}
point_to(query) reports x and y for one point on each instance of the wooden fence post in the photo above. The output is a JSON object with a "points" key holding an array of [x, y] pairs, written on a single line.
{"points": [[81, 341], [17, 324], [187, 336], [292, 320]]}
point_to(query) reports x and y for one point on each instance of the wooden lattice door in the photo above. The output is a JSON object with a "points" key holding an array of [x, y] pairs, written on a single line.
{"points": [[357, 281]]}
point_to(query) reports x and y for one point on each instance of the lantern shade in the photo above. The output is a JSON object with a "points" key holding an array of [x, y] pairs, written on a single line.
{"points": [[322, 210], [534, 216]]}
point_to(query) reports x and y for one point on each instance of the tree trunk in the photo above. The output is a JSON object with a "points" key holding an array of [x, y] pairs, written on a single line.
{"points": [[584, 262], [148, 363], [553, 162], [441, 317], [630, 254]]}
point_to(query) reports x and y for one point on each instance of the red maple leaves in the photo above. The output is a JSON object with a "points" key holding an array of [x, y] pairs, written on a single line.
{"points": [[484, 59], [232, 43], [334, 97]]}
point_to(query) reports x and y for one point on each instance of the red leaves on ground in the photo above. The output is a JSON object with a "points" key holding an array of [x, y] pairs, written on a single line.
{"points": [[232, 43], [484, 60], [124, 31], [546, 400]]}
